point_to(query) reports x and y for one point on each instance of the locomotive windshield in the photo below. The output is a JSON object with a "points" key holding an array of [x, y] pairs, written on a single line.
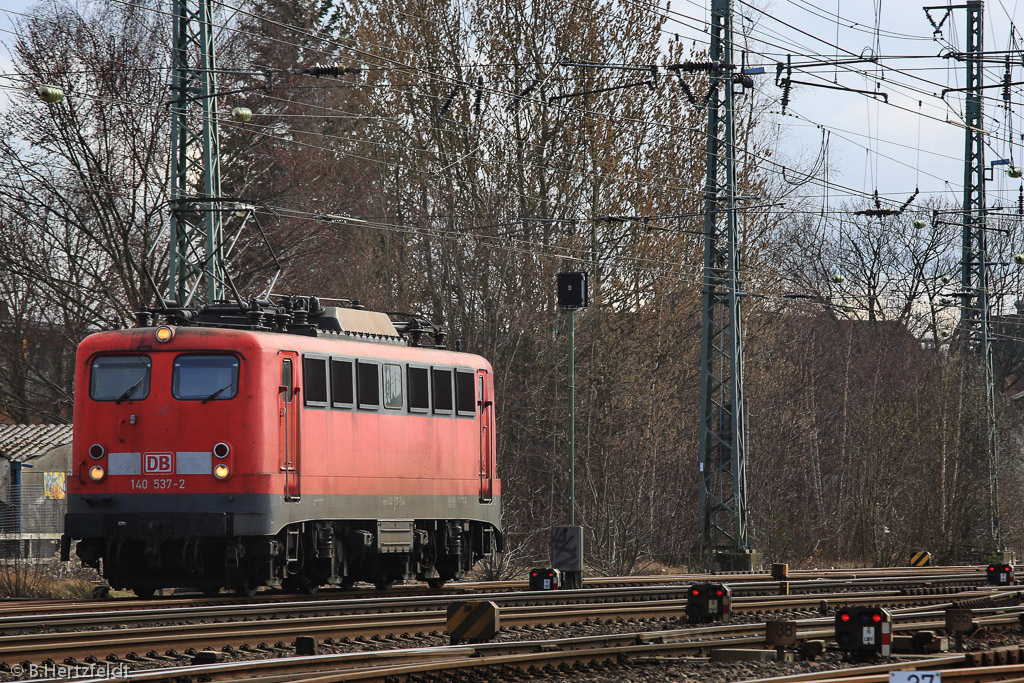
{"points": [[120, 378], [205, 378]]}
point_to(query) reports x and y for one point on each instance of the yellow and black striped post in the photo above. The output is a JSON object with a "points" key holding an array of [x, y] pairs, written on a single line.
{"points": [[922, 558], [473, 621]]}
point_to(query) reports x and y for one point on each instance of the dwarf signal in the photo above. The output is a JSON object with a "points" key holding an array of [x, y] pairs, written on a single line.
{"points": [[544, 579], [1000, 574], [864, 632], [707, 602]]}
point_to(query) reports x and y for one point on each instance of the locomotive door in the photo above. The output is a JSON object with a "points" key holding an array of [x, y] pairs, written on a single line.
{"points": [[288, 412], [485, 405]]}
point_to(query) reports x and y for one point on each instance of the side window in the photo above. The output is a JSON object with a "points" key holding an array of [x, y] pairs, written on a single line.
{"points": [[442, 390], [314, 381], [465, 397], [204, 378], [286, 379], [368, 385], [119, 378], [419, 389], [392, 376], [342, 391]]}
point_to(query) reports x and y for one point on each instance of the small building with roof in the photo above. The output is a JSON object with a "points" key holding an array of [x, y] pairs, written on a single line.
{"points": [[35, 462]]}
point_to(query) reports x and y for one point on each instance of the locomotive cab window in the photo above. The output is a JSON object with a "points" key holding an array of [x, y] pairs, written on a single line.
{"points": [[205, 378], [441, 379], [120, 378], [314, 381], [392, 385], [342, 383], [368, 385], [465, 396], [419, 389]]}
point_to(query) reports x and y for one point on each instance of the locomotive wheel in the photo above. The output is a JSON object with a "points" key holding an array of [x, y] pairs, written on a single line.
{"points": [[144, 593], [246, 588], [301, 584], [211, 591], [348, 583], [437, 583], [383, 584]]}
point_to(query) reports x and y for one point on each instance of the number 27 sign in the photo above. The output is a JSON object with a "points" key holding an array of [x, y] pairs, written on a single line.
{"points": [[915, 677]]}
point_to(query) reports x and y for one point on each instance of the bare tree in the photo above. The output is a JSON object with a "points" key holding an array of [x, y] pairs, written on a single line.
{"points": [[79, 183]]}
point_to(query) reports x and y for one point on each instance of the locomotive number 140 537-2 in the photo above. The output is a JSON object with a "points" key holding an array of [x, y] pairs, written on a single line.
{"points": [[160, 484]]}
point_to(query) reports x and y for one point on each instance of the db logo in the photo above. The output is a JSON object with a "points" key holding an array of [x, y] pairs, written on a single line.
{"points": [[157, 463]]}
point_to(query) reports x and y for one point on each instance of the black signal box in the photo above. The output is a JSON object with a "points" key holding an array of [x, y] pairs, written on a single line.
{"points": [[864, 632], [707, 602], [544, 579], [572, 290], [1000, 575]]}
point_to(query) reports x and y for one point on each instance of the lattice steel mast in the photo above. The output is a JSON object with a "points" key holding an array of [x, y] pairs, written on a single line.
{"points": [[974, 312], [196, 251], [723, 423]]}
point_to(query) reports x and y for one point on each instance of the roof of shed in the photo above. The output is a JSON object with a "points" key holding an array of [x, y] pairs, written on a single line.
{"points": [[24, 442]]}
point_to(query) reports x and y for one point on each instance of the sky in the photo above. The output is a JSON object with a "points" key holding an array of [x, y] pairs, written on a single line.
{"points": [[893, 148], [5, 27], [907, 143]]}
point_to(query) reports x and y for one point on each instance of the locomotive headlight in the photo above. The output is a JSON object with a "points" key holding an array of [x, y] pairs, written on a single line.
{"points": [[221, 450], [96, 451], [97, 473], [164, 334], [221, 471]]}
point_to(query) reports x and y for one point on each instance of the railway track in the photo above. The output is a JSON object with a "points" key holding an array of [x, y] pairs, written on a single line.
{"points": [[953, 669], [548, 658], [749, 583], [733, 578], [117, 631], [102, 614], [604, 598]]}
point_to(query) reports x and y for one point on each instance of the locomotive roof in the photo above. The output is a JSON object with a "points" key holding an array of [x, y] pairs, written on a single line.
{"points": [[299, 315], [253, 341]]}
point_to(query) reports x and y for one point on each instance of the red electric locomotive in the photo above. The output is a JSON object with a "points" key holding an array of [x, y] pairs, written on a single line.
{"points": [[293, 445]]}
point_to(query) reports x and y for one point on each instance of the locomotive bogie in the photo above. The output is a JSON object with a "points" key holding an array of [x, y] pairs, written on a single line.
{"points": [[301, 558], [226, 458]]}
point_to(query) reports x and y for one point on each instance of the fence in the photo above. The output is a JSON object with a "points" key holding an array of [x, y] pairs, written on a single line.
{"points": [[32, 529]]}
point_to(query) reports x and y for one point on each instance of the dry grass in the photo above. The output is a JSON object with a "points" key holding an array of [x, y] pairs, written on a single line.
{"points": [[41, 579], [655, 568]]}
